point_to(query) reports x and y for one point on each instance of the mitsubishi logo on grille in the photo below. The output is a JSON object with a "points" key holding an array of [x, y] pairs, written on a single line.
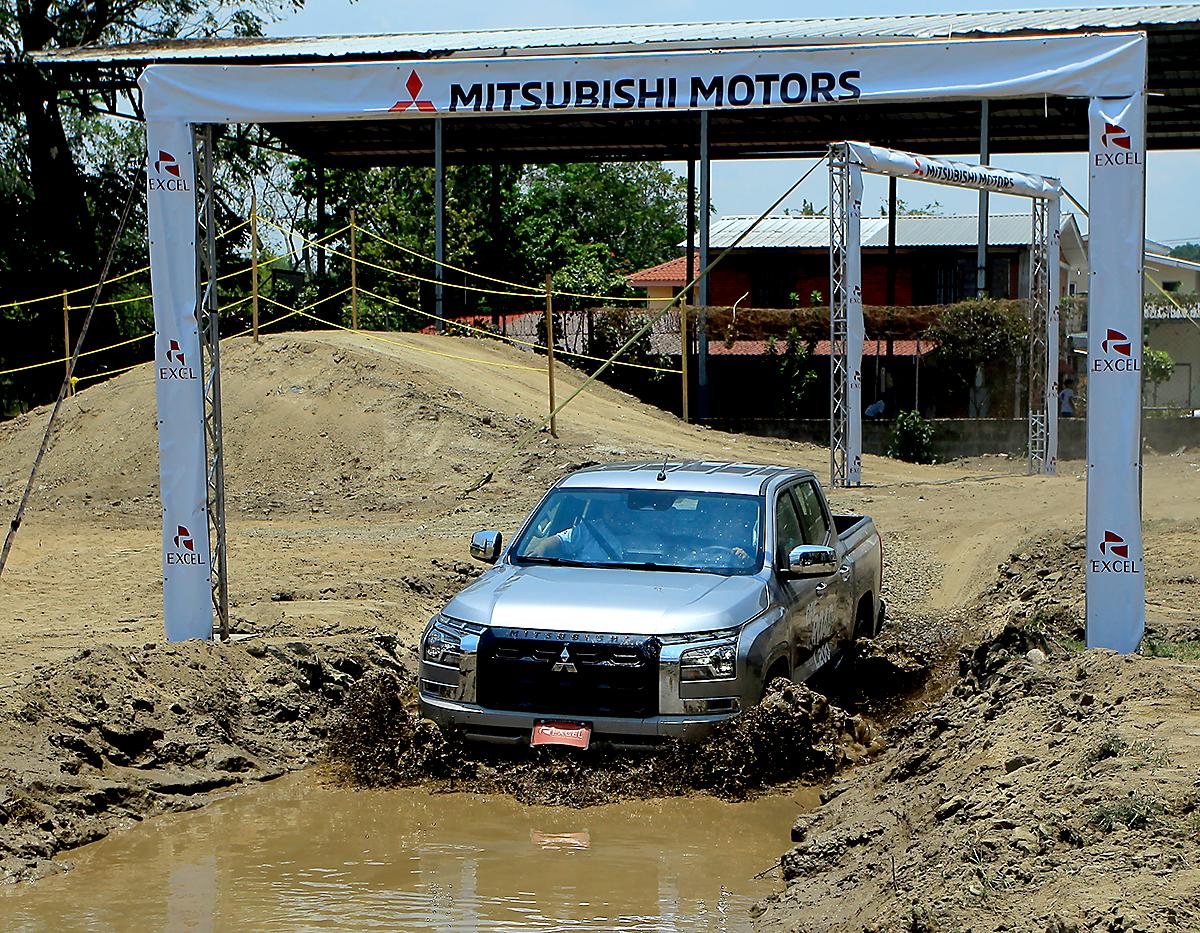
{"points": [[565, 665]]}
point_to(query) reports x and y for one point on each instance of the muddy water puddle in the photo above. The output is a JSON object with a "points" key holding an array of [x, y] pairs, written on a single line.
{"points": [[298, 854]]}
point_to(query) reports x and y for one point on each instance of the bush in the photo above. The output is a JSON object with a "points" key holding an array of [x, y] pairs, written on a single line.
{"points": [[912, 438]]}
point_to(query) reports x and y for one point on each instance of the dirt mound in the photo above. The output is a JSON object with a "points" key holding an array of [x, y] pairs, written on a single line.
{"points": [[1041, 587], [333, 422], [114, 735], [795, 734], [1034, 796]]}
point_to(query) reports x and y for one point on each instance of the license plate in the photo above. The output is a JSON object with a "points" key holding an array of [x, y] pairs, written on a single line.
{"points": [[574, 734]]}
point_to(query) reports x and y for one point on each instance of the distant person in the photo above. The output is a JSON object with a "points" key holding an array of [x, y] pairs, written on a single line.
{"points": [[875, 409], [1066, 399]]}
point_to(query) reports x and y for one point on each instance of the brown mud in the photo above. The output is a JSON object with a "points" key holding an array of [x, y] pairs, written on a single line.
{"points": [[112, 736], [794, 734]]}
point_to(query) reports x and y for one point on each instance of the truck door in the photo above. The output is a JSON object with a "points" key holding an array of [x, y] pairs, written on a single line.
{"points": [[808, 598], [834, 593]]}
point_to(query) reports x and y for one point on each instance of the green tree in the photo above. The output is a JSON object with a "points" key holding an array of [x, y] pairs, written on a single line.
{"points": [[1157, 367], [638, 210], [65, 170], [1187, 251], [793, 369], [982, 333]]}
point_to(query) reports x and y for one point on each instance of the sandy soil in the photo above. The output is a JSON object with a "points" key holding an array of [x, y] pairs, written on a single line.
{"points": [[346, 457]]}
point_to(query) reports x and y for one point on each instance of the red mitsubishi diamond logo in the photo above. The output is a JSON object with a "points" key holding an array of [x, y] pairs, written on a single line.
{"points": [[413, 85]]}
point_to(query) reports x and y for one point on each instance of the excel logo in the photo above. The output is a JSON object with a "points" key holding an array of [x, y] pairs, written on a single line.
{"points": [[177, 366], [1118, 147], [1116, 354], [166, 175], [184, 551], [1114, 556]]}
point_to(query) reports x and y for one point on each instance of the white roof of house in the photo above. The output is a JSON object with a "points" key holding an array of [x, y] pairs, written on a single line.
{"points": [[796, 232]]}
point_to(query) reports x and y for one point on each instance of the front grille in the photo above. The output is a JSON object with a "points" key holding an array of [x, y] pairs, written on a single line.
{"points": [[611, 676]]}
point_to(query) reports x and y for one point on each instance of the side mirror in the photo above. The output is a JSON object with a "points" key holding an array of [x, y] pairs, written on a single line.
{"points": [[485, 546], [812, 560]]}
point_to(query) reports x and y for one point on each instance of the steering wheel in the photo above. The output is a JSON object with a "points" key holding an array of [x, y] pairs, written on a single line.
{"points": [[713, 553]]}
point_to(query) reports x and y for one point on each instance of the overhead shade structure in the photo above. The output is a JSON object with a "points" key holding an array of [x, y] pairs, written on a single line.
{"points": [[937, 127]]}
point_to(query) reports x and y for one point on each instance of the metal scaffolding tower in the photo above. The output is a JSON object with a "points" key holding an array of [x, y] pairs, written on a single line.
{"points": [[210, 370], [840, 198]]}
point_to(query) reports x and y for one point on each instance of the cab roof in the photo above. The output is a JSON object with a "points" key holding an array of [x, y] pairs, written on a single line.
{"points": [[685, 476]]}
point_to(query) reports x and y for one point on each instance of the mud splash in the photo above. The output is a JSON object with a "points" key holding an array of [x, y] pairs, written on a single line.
{"points": [[378, 740]]}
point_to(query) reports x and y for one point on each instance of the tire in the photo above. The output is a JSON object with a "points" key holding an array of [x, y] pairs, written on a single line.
{"points": [[864, 625]]}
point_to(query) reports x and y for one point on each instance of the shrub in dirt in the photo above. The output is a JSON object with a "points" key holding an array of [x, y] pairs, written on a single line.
{"points": [[912, 438], [376, 740], [1133, 812]]}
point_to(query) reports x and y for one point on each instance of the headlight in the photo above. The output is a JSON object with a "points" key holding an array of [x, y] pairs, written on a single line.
{"points": [[712, 662], [442, 643]]}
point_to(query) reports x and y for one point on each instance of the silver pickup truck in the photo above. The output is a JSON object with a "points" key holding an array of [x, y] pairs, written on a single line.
{"points": [[641, 601]]}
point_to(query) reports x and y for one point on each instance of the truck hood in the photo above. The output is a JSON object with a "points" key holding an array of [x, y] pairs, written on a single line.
{"points": [[619, 601]]}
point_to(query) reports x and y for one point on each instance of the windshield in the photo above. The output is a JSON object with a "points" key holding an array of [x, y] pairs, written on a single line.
{"points": [[655, 529]]}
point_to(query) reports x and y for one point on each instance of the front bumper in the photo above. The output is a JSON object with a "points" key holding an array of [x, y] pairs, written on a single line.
{"points": [[487, 725]]}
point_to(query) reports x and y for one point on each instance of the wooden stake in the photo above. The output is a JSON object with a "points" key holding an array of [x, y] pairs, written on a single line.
{"points": [[683, 356], [254, 262], [353, 271], [550, 352], [67, 344]]}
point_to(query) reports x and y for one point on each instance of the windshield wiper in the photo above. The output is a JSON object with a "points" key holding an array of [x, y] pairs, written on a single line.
{"points": [[650, 565], [553, 561]]}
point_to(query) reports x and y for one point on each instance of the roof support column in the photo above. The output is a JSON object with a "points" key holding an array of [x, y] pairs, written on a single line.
{"points": [[702, 297], [690, 261], [439, 226], [320, 220], [981, 249], [891, 244]]}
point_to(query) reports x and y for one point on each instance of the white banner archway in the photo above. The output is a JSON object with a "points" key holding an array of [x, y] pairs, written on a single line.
{"points": [[181, 102], [847, 162]]}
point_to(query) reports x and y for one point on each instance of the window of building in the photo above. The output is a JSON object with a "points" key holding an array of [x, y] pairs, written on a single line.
{"points": [[1172, 286]]}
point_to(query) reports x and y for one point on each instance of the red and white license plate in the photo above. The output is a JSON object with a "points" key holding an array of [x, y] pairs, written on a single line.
{"points": [[574, 734]]}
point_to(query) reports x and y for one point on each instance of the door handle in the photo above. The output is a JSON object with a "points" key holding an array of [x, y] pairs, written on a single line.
{"points": [[822, 587], [844, 570]]}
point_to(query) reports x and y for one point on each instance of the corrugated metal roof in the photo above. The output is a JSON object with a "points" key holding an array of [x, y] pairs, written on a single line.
{"points": [[635, 37], [911, 230]]}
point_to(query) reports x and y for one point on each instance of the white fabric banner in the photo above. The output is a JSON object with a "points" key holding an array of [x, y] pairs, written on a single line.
{"points": [[171, 199], [175, 96], [1116, 605], [1053, 277], [1111, 65], [855, 329], [883, 161]]}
